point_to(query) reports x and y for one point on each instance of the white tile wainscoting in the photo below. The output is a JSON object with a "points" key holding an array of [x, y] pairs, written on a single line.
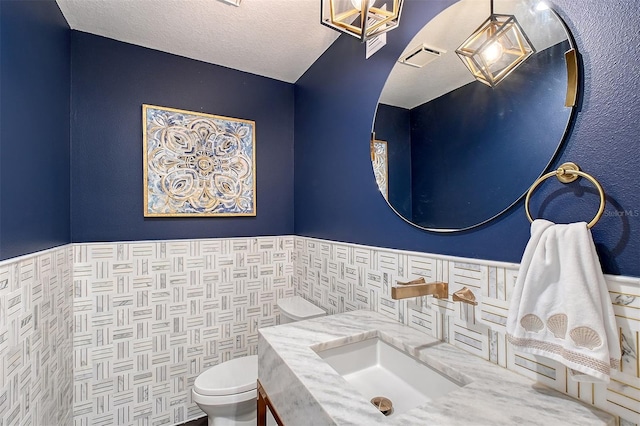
{"points": [[36, 339], [142, 319], [150, 316], [342, 277]]}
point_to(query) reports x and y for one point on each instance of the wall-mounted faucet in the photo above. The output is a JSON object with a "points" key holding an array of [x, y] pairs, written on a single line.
{"points": [[420, 287], [439, 290]]}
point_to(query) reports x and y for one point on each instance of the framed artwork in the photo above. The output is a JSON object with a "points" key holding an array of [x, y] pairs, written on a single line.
{"points": [[197, 164], [380, 161]]}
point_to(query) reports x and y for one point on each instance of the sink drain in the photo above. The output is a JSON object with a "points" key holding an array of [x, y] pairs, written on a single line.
{"points": [[384, 405]]}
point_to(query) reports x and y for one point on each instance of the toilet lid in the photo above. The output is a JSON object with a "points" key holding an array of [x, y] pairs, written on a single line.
{"points": [[228, 378], [299, 309]]}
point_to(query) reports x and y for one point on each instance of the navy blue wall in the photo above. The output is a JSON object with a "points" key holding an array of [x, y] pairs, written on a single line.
{"points": [[393, 125], [110, 82], [34, 127], [337, 198]]}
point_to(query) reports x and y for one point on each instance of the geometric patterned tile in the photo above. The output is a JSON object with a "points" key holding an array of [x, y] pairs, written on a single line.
{"points": [[621, 397], [538, 368], [151, 316], [477, 329], [493, 313], [36, 324], [625, 297], [143, 319], [467, 335]]}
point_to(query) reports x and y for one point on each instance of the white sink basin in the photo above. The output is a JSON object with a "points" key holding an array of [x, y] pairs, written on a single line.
{"points": [[375, 368]]}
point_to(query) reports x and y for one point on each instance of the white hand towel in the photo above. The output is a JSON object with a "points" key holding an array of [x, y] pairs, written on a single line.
{"points": [[560, 306]]}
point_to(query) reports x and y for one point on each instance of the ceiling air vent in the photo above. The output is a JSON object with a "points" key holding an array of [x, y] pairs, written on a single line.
{"points": [[421, 56]]}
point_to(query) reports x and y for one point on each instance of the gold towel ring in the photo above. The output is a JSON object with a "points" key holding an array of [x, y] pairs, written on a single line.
{"points": [[568, 172]]}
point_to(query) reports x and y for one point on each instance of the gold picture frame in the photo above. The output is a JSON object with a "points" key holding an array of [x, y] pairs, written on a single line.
{"points": [[197, 164]]}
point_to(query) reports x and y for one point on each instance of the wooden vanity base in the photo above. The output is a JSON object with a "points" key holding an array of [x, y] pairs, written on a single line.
{"points": [[263, 404]]}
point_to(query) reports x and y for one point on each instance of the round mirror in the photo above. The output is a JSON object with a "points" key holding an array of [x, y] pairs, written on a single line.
{"points": [[453, 149]]}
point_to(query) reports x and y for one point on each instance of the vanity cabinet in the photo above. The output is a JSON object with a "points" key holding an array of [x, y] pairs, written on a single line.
{"points": [[264, 406]]}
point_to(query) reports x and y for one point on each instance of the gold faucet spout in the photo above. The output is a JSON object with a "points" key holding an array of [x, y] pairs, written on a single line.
{"points": [[439, 290]]}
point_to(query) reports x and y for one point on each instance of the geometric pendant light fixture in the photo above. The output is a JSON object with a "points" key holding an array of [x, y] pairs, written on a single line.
{"points": [[495, 49], [362, 19]]}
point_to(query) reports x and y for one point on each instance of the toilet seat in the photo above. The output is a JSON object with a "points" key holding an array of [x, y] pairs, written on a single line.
{"points": [[224, 400], [233, 377]]}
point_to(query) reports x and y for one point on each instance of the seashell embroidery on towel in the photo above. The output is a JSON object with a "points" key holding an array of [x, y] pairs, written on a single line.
{"points": [[531, 322], [585, 337], [557, 324]]}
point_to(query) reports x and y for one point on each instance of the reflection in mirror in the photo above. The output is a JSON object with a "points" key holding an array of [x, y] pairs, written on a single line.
{"points": [[458, 152], [380, 165]]}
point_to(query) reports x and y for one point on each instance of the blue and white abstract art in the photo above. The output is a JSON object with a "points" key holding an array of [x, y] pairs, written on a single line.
{"points": [[197, 164]]}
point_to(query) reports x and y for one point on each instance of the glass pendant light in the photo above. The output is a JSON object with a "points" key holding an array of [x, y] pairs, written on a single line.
{"points": [[362, 19], [495, 49]]}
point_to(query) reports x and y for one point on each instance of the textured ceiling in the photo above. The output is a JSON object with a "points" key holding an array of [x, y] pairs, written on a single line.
{"points": [[279, 39]]}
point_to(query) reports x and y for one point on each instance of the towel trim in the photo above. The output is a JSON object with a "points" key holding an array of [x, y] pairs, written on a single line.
{"points": [[574, 357]]}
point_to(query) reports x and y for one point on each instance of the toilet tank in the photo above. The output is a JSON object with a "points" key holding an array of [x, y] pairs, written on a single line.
{"points": [[297, 309]]}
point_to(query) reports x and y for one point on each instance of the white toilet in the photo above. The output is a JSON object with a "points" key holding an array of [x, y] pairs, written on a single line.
{"points": [[227, 391]]}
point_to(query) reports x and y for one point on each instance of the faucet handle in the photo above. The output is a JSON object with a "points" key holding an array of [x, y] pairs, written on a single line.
{"points": [[465, 295]]}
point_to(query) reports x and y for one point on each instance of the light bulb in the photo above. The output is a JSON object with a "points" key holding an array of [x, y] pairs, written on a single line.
{"points": [[492, 53], [358, 3]]}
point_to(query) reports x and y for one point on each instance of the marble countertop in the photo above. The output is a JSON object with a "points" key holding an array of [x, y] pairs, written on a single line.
{"points": [[306, 391]]}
